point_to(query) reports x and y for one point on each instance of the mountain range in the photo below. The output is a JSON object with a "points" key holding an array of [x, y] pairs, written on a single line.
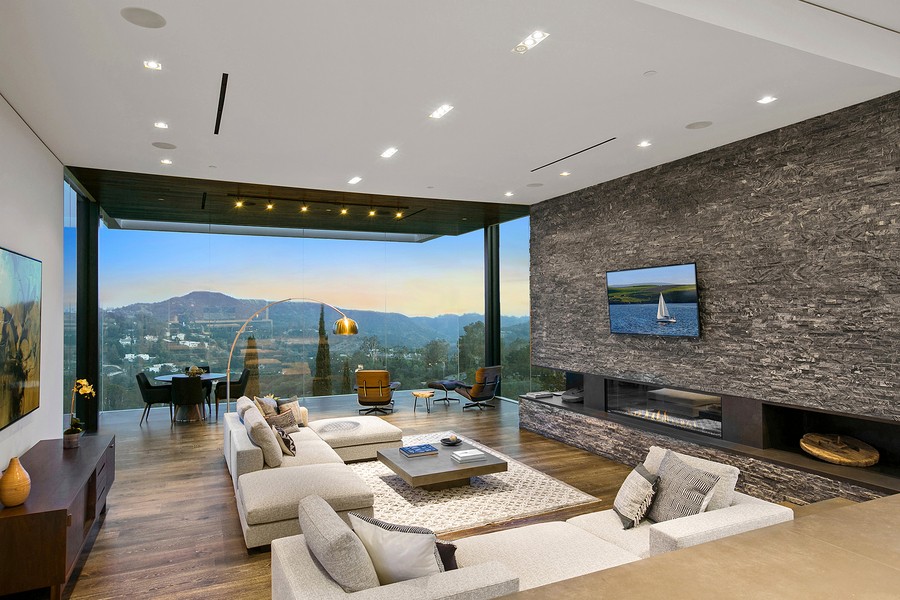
{"points": [[302, 318]]}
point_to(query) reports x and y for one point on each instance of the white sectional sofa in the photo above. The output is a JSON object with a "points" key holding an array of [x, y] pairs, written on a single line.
{"points": [[499, 563], [268, 484]]}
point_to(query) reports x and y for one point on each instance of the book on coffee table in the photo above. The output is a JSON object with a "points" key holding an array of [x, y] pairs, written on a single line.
{"points": [[464, 456], [420, 450]]}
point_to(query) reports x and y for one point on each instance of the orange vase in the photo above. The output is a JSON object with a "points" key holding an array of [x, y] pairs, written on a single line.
{"points": [[15, 485]]}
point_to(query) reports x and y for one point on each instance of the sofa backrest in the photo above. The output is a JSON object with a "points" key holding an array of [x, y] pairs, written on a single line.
{"points": [[723, 496]]}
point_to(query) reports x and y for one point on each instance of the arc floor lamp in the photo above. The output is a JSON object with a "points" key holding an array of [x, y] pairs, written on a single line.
{"points": [[343, 326]]}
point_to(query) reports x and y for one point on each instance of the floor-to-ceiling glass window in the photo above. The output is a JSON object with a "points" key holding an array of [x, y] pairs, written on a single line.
{"points": [[70, 289], [174, 300], [519, 375]]}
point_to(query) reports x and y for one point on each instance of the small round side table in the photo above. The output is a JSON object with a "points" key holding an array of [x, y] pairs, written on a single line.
{"points": [[426, 395]]}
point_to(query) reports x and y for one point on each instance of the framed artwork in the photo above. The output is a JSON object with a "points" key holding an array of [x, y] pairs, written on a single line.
{"points": [[20, 336]]}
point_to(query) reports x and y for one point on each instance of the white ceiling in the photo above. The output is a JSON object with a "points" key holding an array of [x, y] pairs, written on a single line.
{"points": [[318, 89]]}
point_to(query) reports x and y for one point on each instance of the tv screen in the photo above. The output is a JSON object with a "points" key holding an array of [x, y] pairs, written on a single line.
{"points": [[654, 301]]}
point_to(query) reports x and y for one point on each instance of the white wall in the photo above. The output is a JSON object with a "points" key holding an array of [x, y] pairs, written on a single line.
{"points": [[31, 223]]}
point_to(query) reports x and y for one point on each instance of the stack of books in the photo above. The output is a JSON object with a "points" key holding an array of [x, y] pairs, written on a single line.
{"points": [[420, 450], [535, 395], [466, 456]]}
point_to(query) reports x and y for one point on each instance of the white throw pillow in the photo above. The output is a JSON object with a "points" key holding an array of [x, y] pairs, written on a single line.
{"points": [[398, 552]]}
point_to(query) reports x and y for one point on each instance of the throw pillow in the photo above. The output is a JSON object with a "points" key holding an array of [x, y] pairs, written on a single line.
{"points": [[634, 497], [262, 435], [301, 415], [335, 546], [683, 490], [398, 552], [447, 550], [243, 403], [284, 420], [723, 493], [288, 446], [267, 406]]}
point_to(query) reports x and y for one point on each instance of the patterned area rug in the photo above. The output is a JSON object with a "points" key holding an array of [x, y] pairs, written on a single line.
{"points": [[521, 491]]}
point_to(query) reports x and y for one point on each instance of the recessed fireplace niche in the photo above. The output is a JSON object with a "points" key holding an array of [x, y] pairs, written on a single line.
{"points": [[690, 411]]}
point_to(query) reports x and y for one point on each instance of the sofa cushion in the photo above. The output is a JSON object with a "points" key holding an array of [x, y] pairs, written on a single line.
{"points": [[398, 552], [635, 495], [284, 420], [723, 493], [606, 525], [271, 495], [543, 553], [355, 431], [335, 546], [683, 490], [310, 452], [262, 435], [267, 406], [288, 448], [243, 403]]}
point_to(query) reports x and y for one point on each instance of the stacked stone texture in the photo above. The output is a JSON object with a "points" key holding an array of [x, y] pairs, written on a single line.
{"points": [[796, 237]]}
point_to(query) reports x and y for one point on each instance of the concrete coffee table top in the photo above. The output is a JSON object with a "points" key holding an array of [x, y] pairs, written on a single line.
{"points": [[438, 472]]}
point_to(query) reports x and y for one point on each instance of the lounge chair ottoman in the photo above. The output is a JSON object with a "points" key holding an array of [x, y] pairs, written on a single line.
{"points": [[267, 499], [358, 438]]}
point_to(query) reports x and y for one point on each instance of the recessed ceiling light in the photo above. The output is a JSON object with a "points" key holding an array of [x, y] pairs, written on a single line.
{"points": [[389, 152], [239, 204], [166, 161], [304, 208], [270, 206], [161, 125], [343, 211], [508, 194], [440, 111], [399, 214], [645, 144], [535, 38], [354, 180], [564, 174], [371, 212], [153, 65], [698, 125], [766, 100]]}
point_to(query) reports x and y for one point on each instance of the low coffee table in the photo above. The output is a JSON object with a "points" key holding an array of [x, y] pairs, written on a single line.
{"points": [[439, 472]]}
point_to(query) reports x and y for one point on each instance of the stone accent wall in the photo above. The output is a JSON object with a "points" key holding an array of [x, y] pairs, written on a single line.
{"points": [[628, 445], [796, 236]]}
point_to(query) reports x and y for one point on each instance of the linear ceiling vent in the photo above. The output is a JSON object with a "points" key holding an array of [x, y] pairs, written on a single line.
{"points": [[222, 89], [573, 154]]}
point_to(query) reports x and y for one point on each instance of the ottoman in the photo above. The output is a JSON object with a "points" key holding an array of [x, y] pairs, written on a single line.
{"points": [[357, 438], [267, 499]]}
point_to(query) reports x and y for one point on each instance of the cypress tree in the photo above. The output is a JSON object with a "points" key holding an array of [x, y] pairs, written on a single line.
{"points": [[346, 383], [251, 363], [322, 379]]}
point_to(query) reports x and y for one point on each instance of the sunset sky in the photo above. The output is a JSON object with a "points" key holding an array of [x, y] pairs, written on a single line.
{"points": [[445, 275]]}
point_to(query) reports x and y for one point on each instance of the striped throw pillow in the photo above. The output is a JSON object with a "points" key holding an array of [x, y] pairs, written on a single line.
{"points": [[683, 490], [634, 497]]}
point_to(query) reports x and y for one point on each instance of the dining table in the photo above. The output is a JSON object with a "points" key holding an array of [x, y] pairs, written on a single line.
{"points": [[190, 413]]}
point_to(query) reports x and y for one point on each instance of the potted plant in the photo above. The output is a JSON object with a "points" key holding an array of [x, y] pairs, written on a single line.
{"points": [[76, 427]]}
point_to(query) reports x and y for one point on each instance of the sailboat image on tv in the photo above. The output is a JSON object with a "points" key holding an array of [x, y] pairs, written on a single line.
{"points": [[662, 312]]}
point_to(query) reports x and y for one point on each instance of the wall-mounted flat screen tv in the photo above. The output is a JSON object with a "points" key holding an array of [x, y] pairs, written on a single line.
{"points": [[654, 301]]}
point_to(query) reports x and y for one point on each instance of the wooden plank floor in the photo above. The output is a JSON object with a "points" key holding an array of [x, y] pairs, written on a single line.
{"points": [[172, 529]]}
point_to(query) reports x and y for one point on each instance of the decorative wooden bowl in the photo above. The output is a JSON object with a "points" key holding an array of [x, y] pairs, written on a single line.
{"points": [[839, 449]]}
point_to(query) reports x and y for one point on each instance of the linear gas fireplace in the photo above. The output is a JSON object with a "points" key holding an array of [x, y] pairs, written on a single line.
{"points": [[690, 411]]}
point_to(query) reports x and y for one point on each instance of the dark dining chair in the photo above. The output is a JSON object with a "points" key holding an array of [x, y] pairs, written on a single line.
{"points": [[187, 391], [479, 394], [153, 394], [237, 389]]}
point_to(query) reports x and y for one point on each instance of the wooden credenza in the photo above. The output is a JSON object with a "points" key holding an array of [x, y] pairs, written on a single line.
{"points": [[40, 540]]}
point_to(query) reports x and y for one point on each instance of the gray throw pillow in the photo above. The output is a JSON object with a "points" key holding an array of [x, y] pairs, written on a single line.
{"points": [[242, 405], [262, 435], [284, 420], [683, 490], [634, 497], [335, 546]]}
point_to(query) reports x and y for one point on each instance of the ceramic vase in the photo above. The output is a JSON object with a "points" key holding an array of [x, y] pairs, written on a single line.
{"points": [[15, 485]]}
